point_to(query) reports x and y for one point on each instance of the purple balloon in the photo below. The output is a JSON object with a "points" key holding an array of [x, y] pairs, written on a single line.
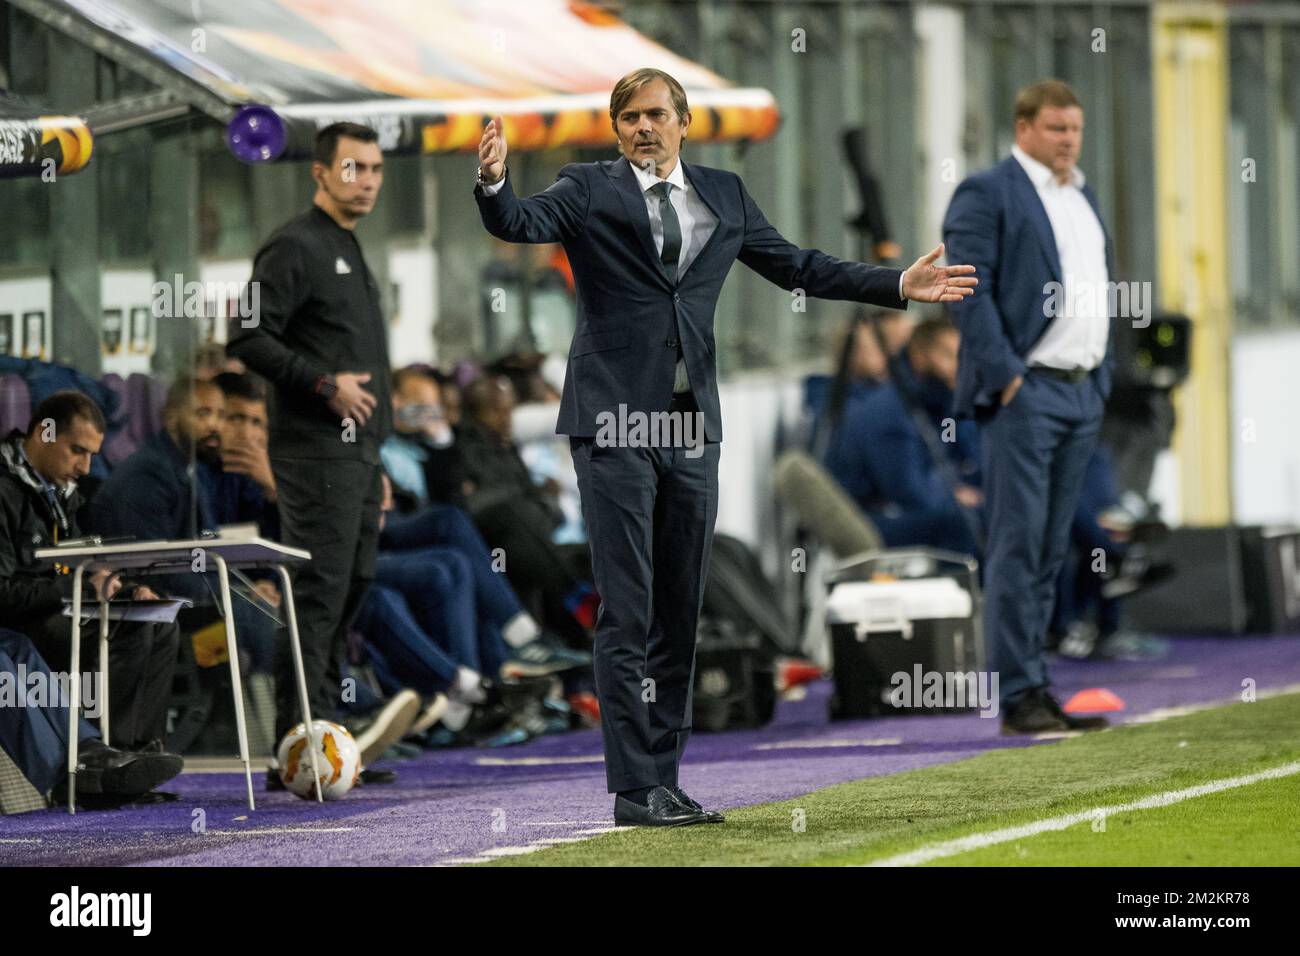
{"points": [[256, 134]]}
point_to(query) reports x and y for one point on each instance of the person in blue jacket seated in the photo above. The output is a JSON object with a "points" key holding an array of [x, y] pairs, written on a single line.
{"points": [[877, 453], [150, 497]]}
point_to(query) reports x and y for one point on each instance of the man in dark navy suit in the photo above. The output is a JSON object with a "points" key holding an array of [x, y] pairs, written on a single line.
{"points": [[650, 240], [1034, 371]]}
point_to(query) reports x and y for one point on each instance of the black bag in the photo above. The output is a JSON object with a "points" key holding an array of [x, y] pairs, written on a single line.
{"points": [[735, 684]]}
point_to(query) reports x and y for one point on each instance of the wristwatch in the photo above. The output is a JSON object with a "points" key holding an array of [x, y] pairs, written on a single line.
{"points": [[326, 387], [481, 180]]}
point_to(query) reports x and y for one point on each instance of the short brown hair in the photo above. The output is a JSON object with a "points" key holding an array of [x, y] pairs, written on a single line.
{"points": [[63, 408], [928, 332], [1034, 97], [629, 85]]}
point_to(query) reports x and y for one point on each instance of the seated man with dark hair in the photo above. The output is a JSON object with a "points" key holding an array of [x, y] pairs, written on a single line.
{"points": [[150, 496], [878, 455], [38, 508], [239, 480], [35, 734]]}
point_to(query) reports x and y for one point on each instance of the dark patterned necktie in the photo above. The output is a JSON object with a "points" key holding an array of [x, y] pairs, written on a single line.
{"points": [[672, 230]]}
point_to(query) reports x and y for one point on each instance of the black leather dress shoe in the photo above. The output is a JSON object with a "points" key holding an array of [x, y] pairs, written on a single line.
{"points": [[662, 809], [104, 769], [712, 816], [1071, 722], [1031, 716]]}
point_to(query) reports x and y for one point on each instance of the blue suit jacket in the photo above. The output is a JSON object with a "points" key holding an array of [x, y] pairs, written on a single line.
{"points": [[630, 315], [997, 223]]}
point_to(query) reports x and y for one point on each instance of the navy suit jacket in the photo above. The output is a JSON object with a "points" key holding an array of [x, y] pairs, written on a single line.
{"points": [[630, 315], [997, 223]]}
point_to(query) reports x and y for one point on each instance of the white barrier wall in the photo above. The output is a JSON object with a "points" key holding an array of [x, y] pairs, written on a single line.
{"points": [[1266, 440]]}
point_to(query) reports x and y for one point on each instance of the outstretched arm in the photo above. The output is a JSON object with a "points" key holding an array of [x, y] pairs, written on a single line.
{"points": [[551, 216], [823, 276]]}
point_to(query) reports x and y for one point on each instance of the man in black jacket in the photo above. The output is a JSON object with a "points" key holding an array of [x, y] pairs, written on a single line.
{"points": [[318, 335], [38, 508]]}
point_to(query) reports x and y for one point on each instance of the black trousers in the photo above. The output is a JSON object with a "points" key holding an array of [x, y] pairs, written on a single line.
{"points": [[649, 515], [141, 662], [330, 508]]}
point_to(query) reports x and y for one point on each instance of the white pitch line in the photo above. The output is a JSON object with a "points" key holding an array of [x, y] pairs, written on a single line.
{"points": [[275, 831], [536, 761], [977, 841], [16, 840], [560, 823], [495, 851], [818, 744], [1164, 713]]}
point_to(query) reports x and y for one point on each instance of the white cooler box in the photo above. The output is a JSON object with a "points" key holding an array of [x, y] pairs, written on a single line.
{"points": [[913, 627]]}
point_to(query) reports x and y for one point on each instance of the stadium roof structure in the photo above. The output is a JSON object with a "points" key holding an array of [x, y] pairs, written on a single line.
{"points": [[424, 73]]}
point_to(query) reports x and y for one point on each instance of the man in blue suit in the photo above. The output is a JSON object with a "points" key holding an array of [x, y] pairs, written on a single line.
{"points": [[1034, 371], [650, 240]]}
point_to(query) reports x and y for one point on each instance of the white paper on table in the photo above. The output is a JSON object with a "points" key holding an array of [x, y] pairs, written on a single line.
{"points": [[162, 611]]}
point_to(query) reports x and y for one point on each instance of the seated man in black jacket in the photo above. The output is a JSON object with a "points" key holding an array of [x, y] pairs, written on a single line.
{"points": [[38, 508]]}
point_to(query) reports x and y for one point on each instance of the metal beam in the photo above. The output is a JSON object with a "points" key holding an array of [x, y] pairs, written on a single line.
{"points": [[120, 51]]}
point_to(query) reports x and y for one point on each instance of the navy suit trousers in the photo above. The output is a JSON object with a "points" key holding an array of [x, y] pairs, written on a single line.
{"points": [[1035, 455], [649, 513]]}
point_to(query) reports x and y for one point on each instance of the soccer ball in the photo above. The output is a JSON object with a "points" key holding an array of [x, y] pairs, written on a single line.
{"points": [[337, 758]]}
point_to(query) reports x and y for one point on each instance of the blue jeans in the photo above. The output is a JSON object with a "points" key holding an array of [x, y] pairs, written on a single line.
{"points": [[450, 527], [401, 653], [438, 585]]}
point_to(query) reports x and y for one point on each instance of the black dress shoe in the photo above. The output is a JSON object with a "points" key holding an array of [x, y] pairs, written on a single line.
{"points": [[662, 809], [104, 769], [712, 816], [1031, 716], [1071, 722]]}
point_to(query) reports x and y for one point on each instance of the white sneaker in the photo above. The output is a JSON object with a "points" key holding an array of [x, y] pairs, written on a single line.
{"points": [[431, 714], [387, 726]]}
